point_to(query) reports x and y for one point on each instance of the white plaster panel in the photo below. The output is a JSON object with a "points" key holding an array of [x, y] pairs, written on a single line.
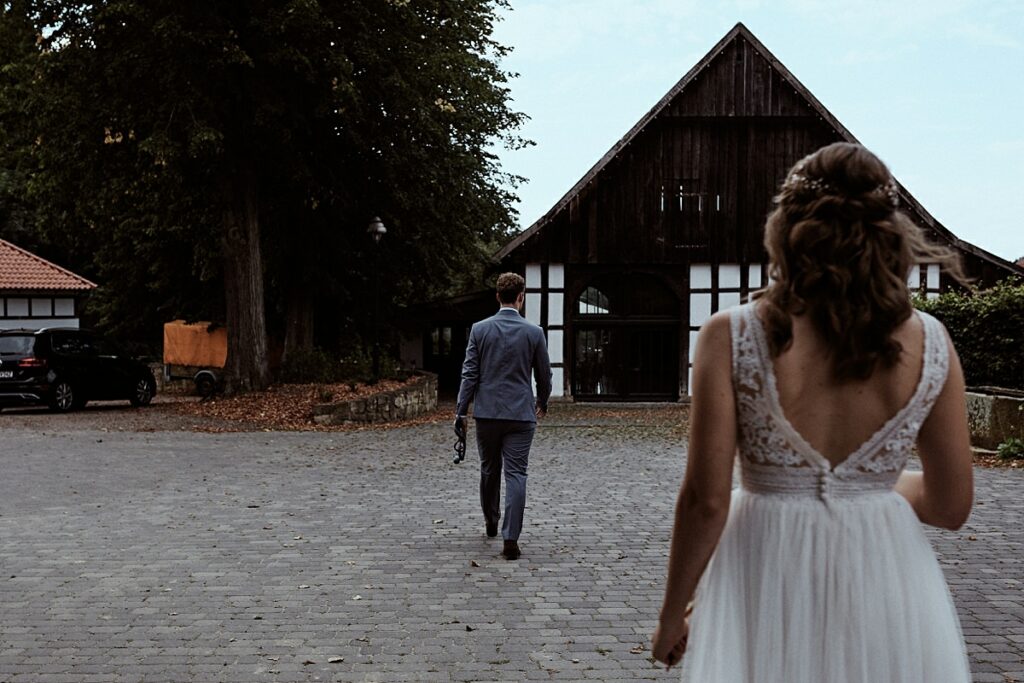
{"points": [[533, 308], [556, 345], [700, 308], [932, 295], [933, 275], [556, 276], [65, 307], [37, 323], [728, 300], [556, 315], [17, 308], [533, 275], [42, 306], [700, 276], [754, 276], [729, 276], [557, 382], [693, 344], [914, 279]]}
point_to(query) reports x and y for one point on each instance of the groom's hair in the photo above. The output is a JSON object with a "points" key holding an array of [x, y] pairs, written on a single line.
{"points": [[510, 285]]}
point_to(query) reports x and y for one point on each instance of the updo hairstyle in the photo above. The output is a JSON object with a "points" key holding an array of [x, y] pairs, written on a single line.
{"points": [[840, 251]]}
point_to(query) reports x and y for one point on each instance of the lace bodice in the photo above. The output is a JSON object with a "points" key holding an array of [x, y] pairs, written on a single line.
{"points": [[775, 458]]}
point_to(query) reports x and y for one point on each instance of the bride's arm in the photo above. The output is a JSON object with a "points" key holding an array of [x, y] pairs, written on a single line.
{"points": [[703, 503], [942, 495]]}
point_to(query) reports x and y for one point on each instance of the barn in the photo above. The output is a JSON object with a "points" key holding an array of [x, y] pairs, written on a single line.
{"points": [[665, 230]]}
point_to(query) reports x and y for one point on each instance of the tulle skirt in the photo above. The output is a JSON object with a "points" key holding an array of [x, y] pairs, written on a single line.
{"points": [[800, 591]]}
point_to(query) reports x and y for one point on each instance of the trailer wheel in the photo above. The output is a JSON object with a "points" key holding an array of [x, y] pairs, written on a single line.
{"points": [[206, 384]]}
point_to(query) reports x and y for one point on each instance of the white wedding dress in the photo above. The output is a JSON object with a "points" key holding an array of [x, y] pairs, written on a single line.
{"points": [[822, 574]]}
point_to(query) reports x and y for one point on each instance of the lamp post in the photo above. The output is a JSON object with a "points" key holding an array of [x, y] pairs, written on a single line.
{"points": [[376, 230]]}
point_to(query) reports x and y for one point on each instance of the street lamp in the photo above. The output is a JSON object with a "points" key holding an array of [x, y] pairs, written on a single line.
{"points": [[376, 230]]}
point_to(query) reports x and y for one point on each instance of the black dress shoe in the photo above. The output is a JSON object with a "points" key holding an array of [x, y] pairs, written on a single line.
{"points": [[492, 530], [511, 550]]}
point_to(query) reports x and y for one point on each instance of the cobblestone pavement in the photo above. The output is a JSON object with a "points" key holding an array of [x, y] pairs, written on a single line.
{"points": [[177, 556]]}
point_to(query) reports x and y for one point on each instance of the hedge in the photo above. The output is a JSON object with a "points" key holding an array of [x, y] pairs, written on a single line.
{"points": [[987, 329]]}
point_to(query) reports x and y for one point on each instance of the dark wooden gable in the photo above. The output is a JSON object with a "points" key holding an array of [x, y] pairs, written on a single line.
{"points": [[692, 182]]}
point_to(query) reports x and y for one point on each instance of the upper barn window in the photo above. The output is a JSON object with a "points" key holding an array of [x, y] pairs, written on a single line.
{"points": [[593, 302], [627, 296]]}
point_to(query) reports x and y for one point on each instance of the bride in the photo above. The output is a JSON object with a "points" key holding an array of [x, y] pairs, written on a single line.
{"points": [[816, 569]]}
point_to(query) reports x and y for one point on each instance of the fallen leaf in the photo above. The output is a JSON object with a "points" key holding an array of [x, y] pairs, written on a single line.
{"points": [[335, 660], [474, 563]]}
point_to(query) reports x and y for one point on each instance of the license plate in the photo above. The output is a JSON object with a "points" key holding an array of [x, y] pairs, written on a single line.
{"points": [[6, 374]]}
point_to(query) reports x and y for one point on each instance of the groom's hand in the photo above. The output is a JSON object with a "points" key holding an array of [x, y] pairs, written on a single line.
{"points": [[539, 411], [460, 425]]}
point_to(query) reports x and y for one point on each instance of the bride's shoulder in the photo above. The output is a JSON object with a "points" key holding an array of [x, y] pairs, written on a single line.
{"points": [[715, 333]]}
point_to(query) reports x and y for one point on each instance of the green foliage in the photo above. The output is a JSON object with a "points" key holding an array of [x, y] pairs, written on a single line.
{"points": [[1011, 449], [308, 366], [319, 366], [987, 329], [126, 127]]}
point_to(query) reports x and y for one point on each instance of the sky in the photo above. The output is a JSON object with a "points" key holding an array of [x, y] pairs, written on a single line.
{"points": [[934, 87]]}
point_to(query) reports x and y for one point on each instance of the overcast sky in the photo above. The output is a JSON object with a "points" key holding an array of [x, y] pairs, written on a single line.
{"points": [[934, 87]]}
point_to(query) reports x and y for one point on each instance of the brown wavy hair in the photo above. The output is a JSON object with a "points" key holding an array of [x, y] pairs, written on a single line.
{"points": [[840, 251]]}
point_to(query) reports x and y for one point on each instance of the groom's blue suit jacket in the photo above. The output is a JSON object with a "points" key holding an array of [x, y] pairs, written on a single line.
{"points": [[503, 350]]}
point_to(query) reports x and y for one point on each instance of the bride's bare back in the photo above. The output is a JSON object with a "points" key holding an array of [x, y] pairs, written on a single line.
{"points": [[834, 417]]}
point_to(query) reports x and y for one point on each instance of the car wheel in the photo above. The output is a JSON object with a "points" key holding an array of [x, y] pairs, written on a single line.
{"points": [[62, 398], [143, 392]]}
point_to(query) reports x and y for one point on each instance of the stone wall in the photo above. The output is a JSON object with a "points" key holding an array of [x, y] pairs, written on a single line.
{"points": [[415, 398], [993, 418]]}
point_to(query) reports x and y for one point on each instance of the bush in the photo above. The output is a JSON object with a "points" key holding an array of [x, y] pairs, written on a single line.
{"points": [[316, 366], [1011, 449], [987, 329], [306, 366]]}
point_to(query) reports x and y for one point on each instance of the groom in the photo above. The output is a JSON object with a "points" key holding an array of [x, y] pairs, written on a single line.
{"points": [[503, 350]]}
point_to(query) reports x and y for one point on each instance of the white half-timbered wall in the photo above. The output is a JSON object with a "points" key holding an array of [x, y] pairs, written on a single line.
{"points": [[545, 306], [35, 312]]}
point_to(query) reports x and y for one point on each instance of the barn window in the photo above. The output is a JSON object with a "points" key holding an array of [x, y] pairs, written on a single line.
{"points": [[593, 302], [625, 339], [688, 196]]}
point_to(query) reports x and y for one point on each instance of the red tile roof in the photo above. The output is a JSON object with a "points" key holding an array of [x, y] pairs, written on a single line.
{"points": [[23, 270]]}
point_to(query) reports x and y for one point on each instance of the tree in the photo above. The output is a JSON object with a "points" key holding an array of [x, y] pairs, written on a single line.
{"points": [[178, 144], [17, 45]]}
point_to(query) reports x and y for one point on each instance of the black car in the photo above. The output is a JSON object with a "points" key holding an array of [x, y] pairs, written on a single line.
{"points": [[64, 368]]}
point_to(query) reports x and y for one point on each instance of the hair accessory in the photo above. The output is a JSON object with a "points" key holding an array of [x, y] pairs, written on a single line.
{"points": [[801, 183]]}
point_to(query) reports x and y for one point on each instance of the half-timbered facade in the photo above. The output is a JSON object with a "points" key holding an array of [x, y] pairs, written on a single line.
{"points": [[667, 227]]}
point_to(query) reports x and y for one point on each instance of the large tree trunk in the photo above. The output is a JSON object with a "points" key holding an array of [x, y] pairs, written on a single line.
{"points": [[246, 368], [298, 335]]}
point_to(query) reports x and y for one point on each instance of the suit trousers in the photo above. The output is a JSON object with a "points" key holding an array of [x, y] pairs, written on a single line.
{"points": [[504, 444]]}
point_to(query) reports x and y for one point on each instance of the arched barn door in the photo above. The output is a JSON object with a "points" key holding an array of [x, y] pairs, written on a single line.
{"points": [[626, 340]]}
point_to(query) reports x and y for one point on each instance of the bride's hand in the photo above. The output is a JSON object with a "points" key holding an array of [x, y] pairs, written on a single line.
{"points": [[668, 648]]}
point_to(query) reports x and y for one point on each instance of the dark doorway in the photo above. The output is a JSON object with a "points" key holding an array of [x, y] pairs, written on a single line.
{"points": [[444, 348], [626, 341]]}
